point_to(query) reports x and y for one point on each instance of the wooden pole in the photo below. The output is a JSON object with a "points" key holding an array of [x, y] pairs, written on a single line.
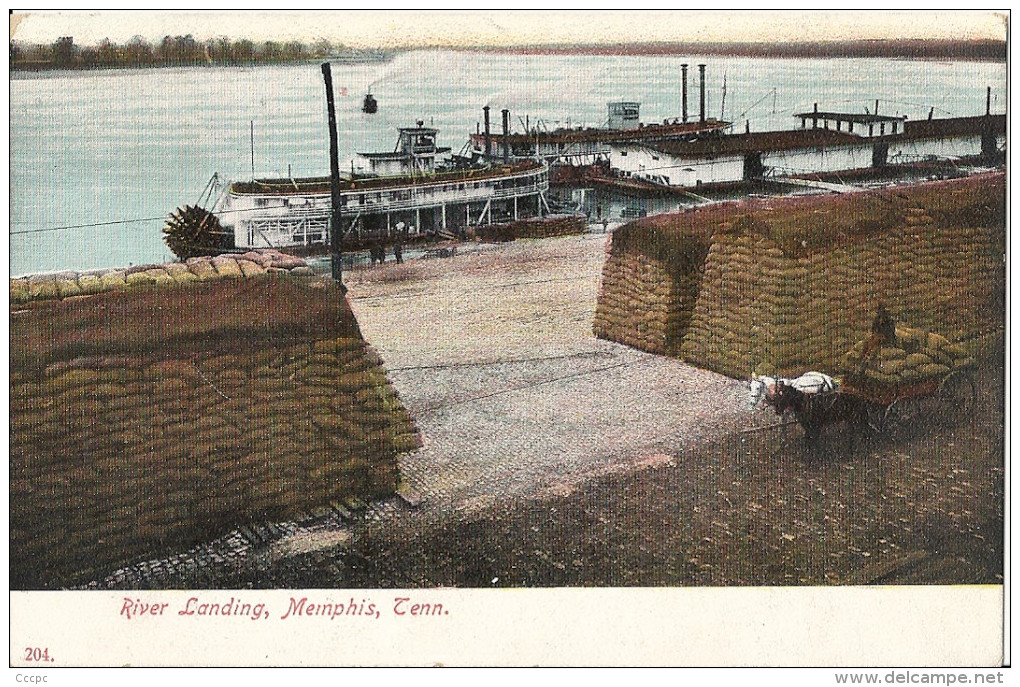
{"points": [[334, 170]]}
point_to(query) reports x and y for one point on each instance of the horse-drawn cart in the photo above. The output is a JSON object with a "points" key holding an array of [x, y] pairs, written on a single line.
{"points": [[895, 378], [882, 409], [888, 410], [885, 409]]}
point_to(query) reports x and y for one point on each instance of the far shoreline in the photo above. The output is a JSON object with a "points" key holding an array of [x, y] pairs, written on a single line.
{"points": [[923, 50], [988, 51]]}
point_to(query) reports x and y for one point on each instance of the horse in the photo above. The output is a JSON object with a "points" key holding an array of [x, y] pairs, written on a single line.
{"points": [[811, 397], [763, 387]]}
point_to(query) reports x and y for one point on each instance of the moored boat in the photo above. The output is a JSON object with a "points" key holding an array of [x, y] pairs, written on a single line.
{"points": [[415, 191]]}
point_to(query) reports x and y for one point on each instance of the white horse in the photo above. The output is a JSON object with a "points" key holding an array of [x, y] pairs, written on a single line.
{"points": [[762, 387]]}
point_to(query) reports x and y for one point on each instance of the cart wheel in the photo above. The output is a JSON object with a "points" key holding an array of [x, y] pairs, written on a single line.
{"points": [[875, 416], [893, 420], [958, 393]]}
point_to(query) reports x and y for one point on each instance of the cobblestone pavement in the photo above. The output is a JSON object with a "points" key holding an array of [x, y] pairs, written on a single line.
{"points": [[494, 357]]}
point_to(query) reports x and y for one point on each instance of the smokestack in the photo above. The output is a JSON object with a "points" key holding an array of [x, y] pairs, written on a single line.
{"points": [[701, 70], [488, 139], [683, 69], [876, 107], [506, 136], [988, 102]]}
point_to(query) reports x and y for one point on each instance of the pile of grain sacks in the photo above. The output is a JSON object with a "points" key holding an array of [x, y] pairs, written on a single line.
{"points": [[548, 227], [915, 356], [637, 307], [761, 301], [227, 266], [650, 284], [146, 419]]}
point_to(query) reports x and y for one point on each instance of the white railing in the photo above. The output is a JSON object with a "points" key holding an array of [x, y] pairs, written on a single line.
{"points": [[420, 196]]}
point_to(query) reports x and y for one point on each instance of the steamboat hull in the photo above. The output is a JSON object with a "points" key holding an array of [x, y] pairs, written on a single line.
{"points": [[295, 213]]}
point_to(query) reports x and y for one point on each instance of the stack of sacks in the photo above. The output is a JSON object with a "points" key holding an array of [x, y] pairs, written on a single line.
{"points": [[115, 457], [917, 356], [548, 227], [782, 284], [227, 266], [636, 306], [143, 420], [728, 322], [556, 225], [758, 304], [650, 284]]}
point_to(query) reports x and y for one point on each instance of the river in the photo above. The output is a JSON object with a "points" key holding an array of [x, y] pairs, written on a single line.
{"points": [[98, 159]]}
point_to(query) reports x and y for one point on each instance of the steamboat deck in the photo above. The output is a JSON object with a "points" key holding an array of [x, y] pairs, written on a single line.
{"points": [[423, 199]]}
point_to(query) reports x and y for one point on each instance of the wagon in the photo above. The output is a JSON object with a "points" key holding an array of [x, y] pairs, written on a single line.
{"points": [[888, 410], [883, 409]]}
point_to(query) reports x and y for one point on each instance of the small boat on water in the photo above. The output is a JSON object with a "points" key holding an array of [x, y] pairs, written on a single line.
{"points": [[369, 105], [416, 191]]}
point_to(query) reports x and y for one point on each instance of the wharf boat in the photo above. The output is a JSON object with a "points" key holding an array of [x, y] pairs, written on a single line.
{"points": [[584, 146], [567, 147]]}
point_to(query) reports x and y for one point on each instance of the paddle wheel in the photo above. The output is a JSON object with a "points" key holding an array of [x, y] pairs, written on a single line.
{"points": [[192, 230]]}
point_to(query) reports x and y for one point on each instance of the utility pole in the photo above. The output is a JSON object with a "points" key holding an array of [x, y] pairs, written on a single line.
{"points": [[335, 222]]}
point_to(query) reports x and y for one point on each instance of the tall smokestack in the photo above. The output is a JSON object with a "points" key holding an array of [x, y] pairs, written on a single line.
{"points": [[683, 70], [988, 102], [506, 136], [488, 138], [701, 70]]}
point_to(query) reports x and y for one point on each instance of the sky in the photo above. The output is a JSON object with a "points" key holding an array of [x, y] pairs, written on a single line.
{"points": [[407, 28]]}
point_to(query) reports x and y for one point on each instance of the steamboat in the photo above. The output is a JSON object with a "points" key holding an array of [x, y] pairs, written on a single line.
{"points": [[418, 191], [577, 146], [573, 147]]}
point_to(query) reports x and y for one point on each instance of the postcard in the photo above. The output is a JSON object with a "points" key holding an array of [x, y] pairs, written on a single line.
{"points": [[509, 338]]}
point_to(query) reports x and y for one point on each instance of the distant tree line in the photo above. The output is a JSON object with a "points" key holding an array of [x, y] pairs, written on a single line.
{"points": [[962, 49], [175, 51]]}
